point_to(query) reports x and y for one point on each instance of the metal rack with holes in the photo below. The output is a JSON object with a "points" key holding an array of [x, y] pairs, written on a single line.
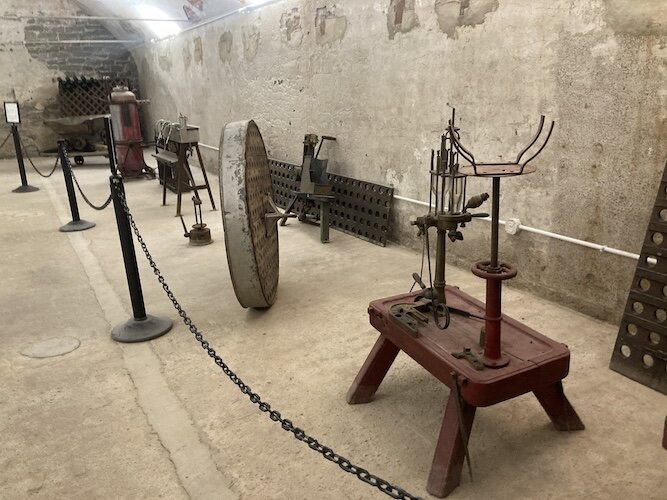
{"points": [[640, 352]]}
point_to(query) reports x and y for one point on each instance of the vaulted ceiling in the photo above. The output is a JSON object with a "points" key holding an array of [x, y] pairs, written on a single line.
{"points": [[147, 19]]}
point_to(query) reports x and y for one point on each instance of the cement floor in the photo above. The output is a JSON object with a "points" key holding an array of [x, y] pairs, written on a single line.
{"points": [[159, 420]]}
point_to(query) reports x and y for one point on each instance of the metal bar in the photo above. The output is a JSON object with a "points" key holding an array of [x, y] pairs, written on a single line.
{"points": [[437, 186], [324, 221], [492, 319], [440, 258], [495, 211], [530, 144], [470, 158], [69, 185], [551, 129], [19, 155], [430, 187], [203, 171], [125, 232], [111, 150]]}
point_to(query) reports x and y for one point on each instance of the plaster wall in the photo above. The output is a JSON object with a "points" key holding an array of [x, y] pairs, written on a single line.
{"points": [[32, 64], [383, 75]]}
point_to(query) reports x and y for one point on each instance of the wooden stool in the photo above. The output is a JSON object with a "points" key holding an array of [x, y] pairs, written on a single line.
{"points": [[537, 364], [172, 157]]}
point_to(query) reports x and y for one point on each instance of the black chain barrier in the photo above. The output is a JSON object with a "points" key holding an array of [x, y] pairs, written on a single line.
{"points": [[83, 195], [25, 153], [286, 424], [5, 141]]}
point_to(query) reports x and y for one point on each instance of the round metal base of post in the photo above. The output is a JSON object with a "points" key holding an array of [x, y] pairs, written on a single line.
{"points": [[134, 330], [76, 225], [200, 235], [25, 189], [503, 360]]}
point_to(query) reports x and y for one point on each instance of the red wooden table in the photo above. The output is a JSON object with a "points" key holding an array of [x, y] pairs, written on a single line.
{"points": [[537, 364]]}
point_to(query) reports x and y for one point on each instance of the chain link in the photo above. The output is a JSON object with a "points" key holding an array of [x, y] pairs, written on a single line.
{"points": [[25, 153], [83, 195], [286, 424], [5, 141]]}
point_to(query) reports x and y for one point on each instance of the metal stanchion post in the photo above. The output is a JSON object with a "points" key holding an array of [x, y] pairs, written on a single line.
{"points": [[141, 326], [24, 187], [76, 224]]}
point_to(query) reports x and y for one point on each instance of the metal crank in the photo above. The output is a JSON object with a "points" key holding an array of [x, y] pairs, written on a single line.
{"points": [[272, 218]]}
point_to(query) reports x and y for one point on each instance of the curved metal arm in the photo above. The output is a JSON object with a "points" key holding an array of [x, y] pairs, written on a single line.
{"points": [[530, 145], [551, 129], [454, 137]]}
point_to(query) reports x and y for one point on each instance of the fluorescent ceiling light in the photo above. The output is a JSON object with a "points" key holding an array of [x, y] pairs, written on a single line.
{"points": [[161, 29], [248, 4]]}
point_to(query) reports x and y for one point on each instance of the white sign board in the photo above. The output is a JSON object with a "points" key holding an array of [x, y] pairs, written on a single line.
{"points": [[12, 112]]}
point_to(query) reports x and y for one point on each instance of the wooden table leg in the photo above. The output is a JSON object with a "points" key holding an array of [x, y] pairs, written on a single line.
{"points": [[179, 180], [192, 185], [372, 372], [164, 182], [449, 455], [203, 171], [560, 411]]}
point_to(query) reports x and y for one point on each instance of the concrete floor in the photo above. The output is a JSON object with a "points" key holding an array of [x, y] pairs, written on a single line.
{"points": [[159, 420]]}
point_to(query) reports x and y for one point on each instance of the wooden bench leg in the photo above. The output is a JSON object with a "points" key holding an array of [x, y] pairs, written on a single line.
{"points": [[372, 372], [203, 171], [449, 455], [560, 411]]}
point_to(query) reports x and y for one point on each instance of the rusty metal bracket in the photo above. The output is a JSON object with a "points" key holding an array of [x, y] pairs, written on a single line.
{"points": [[272, 218], [471, 357], [409, 316]]}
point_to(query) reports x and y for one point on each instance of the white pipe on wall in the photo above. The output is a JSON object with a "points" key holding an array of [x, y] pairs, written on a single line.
{"points": [[549, 234], [209, 147], [528, 229]]}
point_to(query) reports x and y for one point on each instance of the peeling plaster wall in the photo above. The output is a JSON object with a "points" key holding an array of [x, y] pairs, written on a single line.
{"points": [[385, 88], [31, 71]]}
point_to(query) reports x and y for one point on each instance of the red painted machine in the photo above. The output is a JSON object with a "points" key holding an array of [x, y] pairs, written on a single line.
{"points": [[127, 134], [481, 354]]}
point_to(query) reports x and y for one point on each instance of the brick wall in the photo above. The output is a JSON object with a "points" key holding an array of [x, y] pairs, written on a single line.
{"points": [[112, 60], [33, 66]]}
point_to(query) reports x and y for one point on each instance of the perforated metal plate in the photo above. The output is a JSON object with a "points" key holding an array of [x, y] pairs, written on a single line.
{"points": [[245, 187], [361, 208], [641, 346]]}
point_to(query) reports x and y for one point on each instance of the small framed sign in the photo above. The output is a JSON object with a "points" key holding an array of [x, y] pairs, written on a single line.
{"points": [[12, 114]]}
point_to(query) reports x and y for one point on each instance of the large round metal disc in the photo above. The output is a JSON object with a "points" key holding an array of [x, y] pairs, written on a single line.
{"points": [[245, 187]]}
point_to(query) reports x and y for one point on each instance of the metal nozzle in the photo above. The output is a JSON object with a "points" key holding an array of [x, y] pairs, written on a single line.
{"points": [[477, 200]]}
